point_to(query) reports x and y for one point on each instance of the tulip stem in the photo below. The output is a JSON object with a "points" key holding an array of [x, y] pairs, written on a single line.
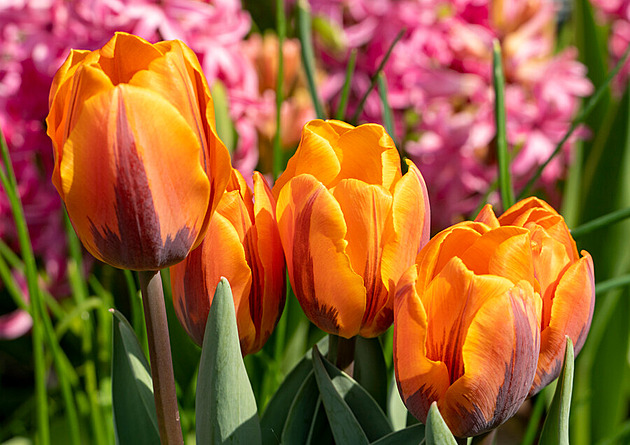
{"points": [[160, 355], [341, 352]]}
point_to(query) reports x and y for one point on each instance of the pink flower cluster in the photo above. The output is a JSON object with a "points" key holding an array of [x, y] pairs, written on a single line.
{"points": [[35, 38], [440, 86], [617, 13]]}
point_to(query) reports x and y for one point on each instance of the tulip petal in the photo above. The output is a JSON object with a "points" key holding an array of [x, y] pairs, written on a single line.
{"points": [[487, 216], [571, 314], [124, 184], [366, 209], [194, 281], [500, 367], [269, 249], [452, 301], [124, 55], [87, 82], [505, 251], [421, 381], [313, 230], [411, 221], [444, 246], [317, 154], [369, 154], [514, 215]]}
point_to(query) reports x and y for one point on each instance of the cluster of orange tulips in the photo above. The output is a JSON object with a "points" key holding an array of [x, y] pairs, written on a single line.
{"points": [[480, 311]]}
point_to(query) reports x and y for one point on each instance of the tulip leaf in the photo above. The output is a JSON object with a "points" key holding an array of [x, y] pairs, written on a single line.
{"points": [[413, 434], [135, 418], [343, 423], [396, 409], [225, 406], [370, 369], [436, 432], [371, 417], [277, 411], [301, 412], [556, 427]]}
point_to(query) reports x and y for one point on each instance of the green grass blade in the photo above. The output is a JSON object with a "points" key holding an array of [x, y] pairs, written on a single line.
{"points": [[503, 156], [388, 118], [373, 79], [345, 92], [601, 222], [9, 182], [281, 30], [308, 56]]}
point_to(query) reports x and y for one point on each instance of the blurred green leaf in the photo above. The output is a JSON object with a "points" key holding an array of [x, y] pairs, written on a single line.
{"points": [[225, 405], [225, 128], [411, 435], [370, 369], [436, 432], [340, 114], [345, 427], [396, 409], [135, 418], [556, 427], [600, 407]]}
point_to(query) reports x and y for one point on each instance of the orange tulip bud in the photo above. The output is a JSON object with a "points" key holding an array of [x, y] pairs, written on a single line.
{"points": [[466, 322], [350, 225], [243, 245], [138, 162], [567, 282]]}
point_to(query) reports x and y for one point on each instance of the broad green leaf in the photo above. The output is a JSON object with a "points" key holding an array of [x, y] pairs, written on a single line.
{"points": [[135, 419], [343, 423], [370, 369], [556, 427], [301, 413], [396, 409], [225, 406], [410, 435], [436, 432], [371, 417], [277, 410]]}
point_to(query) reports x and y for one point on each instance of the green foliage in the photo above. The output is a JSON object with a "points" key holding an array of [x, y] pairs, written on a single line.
{"points": [[135, 419], [225, 406], [556, 427]]}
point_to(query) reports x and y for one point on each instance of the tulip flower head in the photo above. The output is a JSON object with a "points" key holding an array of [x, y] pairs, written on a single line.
{"points": [[350, 225], [243, 245], [567, 282], [138, 162], [466, 327]]}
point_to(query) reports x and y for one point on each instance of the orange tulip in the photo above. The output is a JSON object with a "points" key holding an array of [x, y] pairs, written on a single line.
{"points": [[138, 162], [350, 225], [466, 323], [567, 282], [243, 245]]}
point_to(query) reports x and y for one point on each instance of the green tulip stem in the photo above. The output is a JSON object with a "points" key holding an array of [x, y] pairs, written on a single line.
{"points": [[160, 355], [341, 352]]}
